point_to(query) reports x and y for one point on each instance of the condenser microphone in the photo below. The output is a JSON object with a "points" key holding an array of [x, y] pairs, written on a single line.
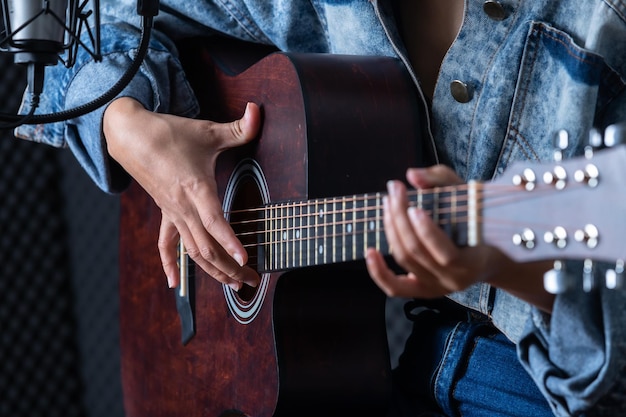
{"points": [[38, 30]]}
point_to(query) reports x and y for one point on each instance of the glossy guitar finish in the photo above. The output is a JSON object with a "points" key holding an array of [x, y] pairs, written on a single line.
{"points": [[311, 341]]}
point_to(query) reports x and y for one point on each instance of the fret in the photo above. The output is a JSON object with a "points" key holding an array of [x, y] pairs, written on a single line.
{"points": [[289, 238], [282, 237], [435, 206], [453, 215], [365, 223], [328, 231], [316, 233], [273, 237], [263, 239], [359, 230], [349, 212], [381, 242], [307, 234], [334, 231], [370, 223], [355, 217], [443, 211], [343, 228], [297, 234]]}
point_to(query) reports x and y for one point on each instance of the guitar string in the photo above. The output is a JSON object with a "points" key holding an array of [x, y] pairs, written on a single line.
{"points": [[461, 206], [444, 198]]}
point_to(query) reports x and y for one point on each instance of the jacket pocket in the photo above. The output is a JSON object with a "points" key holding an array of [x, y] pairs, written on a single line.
{"points": [[560, 86]]}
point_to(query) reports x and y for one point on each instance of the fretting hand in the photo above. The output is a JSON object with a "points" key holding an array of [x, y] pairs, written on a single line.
{"points": [[434, 265]]}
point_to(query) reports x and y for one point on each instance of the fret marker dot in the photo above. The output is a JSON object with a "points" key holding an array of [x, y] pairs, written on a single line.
{"points": [[322, 213], [284, 235], [321, 249], [297, 234], [372, 225], [349, 228]]}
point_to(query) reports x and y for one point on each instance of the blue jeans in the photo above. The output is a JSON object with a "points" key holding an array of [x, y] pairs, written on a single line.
{"points": [[457, 364]]}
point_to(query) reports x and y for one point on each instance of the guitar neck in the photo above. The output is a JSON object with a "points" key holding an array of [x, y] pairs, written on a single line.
{"points": [[340, 229]]}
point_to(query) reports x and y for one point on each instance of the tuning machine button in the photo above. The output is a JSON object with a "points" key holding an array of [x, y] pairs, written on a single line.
{"points": [[589, 235], [589, 277], [557, 280], [615, 135], [589, 175], [561, 142], [558, 237], [526, 239], [595, 141], [614, 278], [527, 179], [557, 177]]}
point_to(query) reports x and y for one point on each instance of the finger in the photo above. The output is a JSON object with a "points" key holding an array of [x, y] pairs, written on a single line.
{"points": [[237, 132], [395, 219], [440, 249], [211, 217], [451, 266], [409, 285], [168, 251], [434, 176], [407, 248], [212, 258]]}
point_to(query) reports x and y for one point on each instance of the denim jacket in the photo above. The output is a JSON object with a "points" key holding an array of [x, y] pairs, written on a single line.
{"points": [[530, 69]]}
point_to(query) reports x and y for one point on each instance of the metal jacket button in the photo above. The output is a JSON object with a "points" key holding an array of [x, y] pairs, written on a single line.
{"points": [[460, 91], [494, 9]]}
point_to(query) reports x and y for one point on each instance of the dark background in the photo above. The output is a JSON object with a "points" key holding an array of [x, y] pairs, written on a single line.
{"points": [[59, 334], [59, 352]]}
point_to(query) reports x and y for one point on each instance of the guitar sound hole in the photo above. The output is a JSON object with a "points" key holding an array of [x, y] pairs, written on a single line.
{"points": [[246, 221]]}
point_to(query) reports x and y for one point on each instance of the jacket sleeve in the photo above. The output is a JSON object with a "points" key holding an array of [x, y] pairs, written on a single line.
{"points": [[577, 356], [160, 85]]}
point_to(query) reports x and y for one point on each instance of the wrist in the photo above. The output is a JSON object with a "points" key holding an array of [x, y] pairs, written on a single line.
{"points": [[523, 280], [116, 124]]}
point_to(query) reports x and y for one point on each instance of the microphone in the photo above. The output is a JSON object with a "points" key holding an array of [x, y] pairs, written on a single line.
{"points": [[40, 33], [38, 30]]}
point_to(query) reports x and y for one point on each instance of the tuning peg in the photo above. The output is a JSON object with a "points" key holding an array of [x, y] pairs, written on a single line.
{"points": [[561, 142], [615, 135], [614, 278], [595, 142], [589, 276], [558, 280]]}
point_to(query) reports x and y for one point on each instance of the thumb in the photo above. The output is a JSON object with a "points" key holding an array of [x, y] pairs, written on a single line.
{"points": [[240, 131]]}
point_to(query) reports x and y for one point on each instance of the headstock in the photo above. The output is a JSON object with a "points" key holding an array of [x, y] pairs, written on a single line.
{"points": [[565, 209]]}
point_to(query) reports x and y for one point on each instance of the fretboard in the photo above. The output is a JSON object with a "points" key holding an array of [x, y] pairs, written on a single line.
{"points": [[340, 229]]}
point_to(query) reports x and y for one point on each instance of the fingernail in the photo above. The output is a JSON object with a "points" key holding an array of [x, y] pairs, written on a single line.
{"points": [[392, 187], [415, 214], [235, 286], [238, 258], [170, 282]]}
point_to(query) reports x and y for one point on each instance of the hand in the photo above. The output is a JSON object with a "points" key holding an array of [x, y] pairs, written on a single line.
{"points": [[173, 159], [434, 265]]}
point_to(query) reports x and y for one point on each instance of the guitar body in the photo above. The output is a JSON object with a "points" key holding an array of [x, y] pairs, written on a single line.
{"points": [[310, 341]]}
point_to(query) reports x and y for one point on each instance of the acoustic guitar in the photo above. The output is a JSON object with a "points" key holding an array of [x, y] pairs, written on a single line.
{"points": [[311, 339]]}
